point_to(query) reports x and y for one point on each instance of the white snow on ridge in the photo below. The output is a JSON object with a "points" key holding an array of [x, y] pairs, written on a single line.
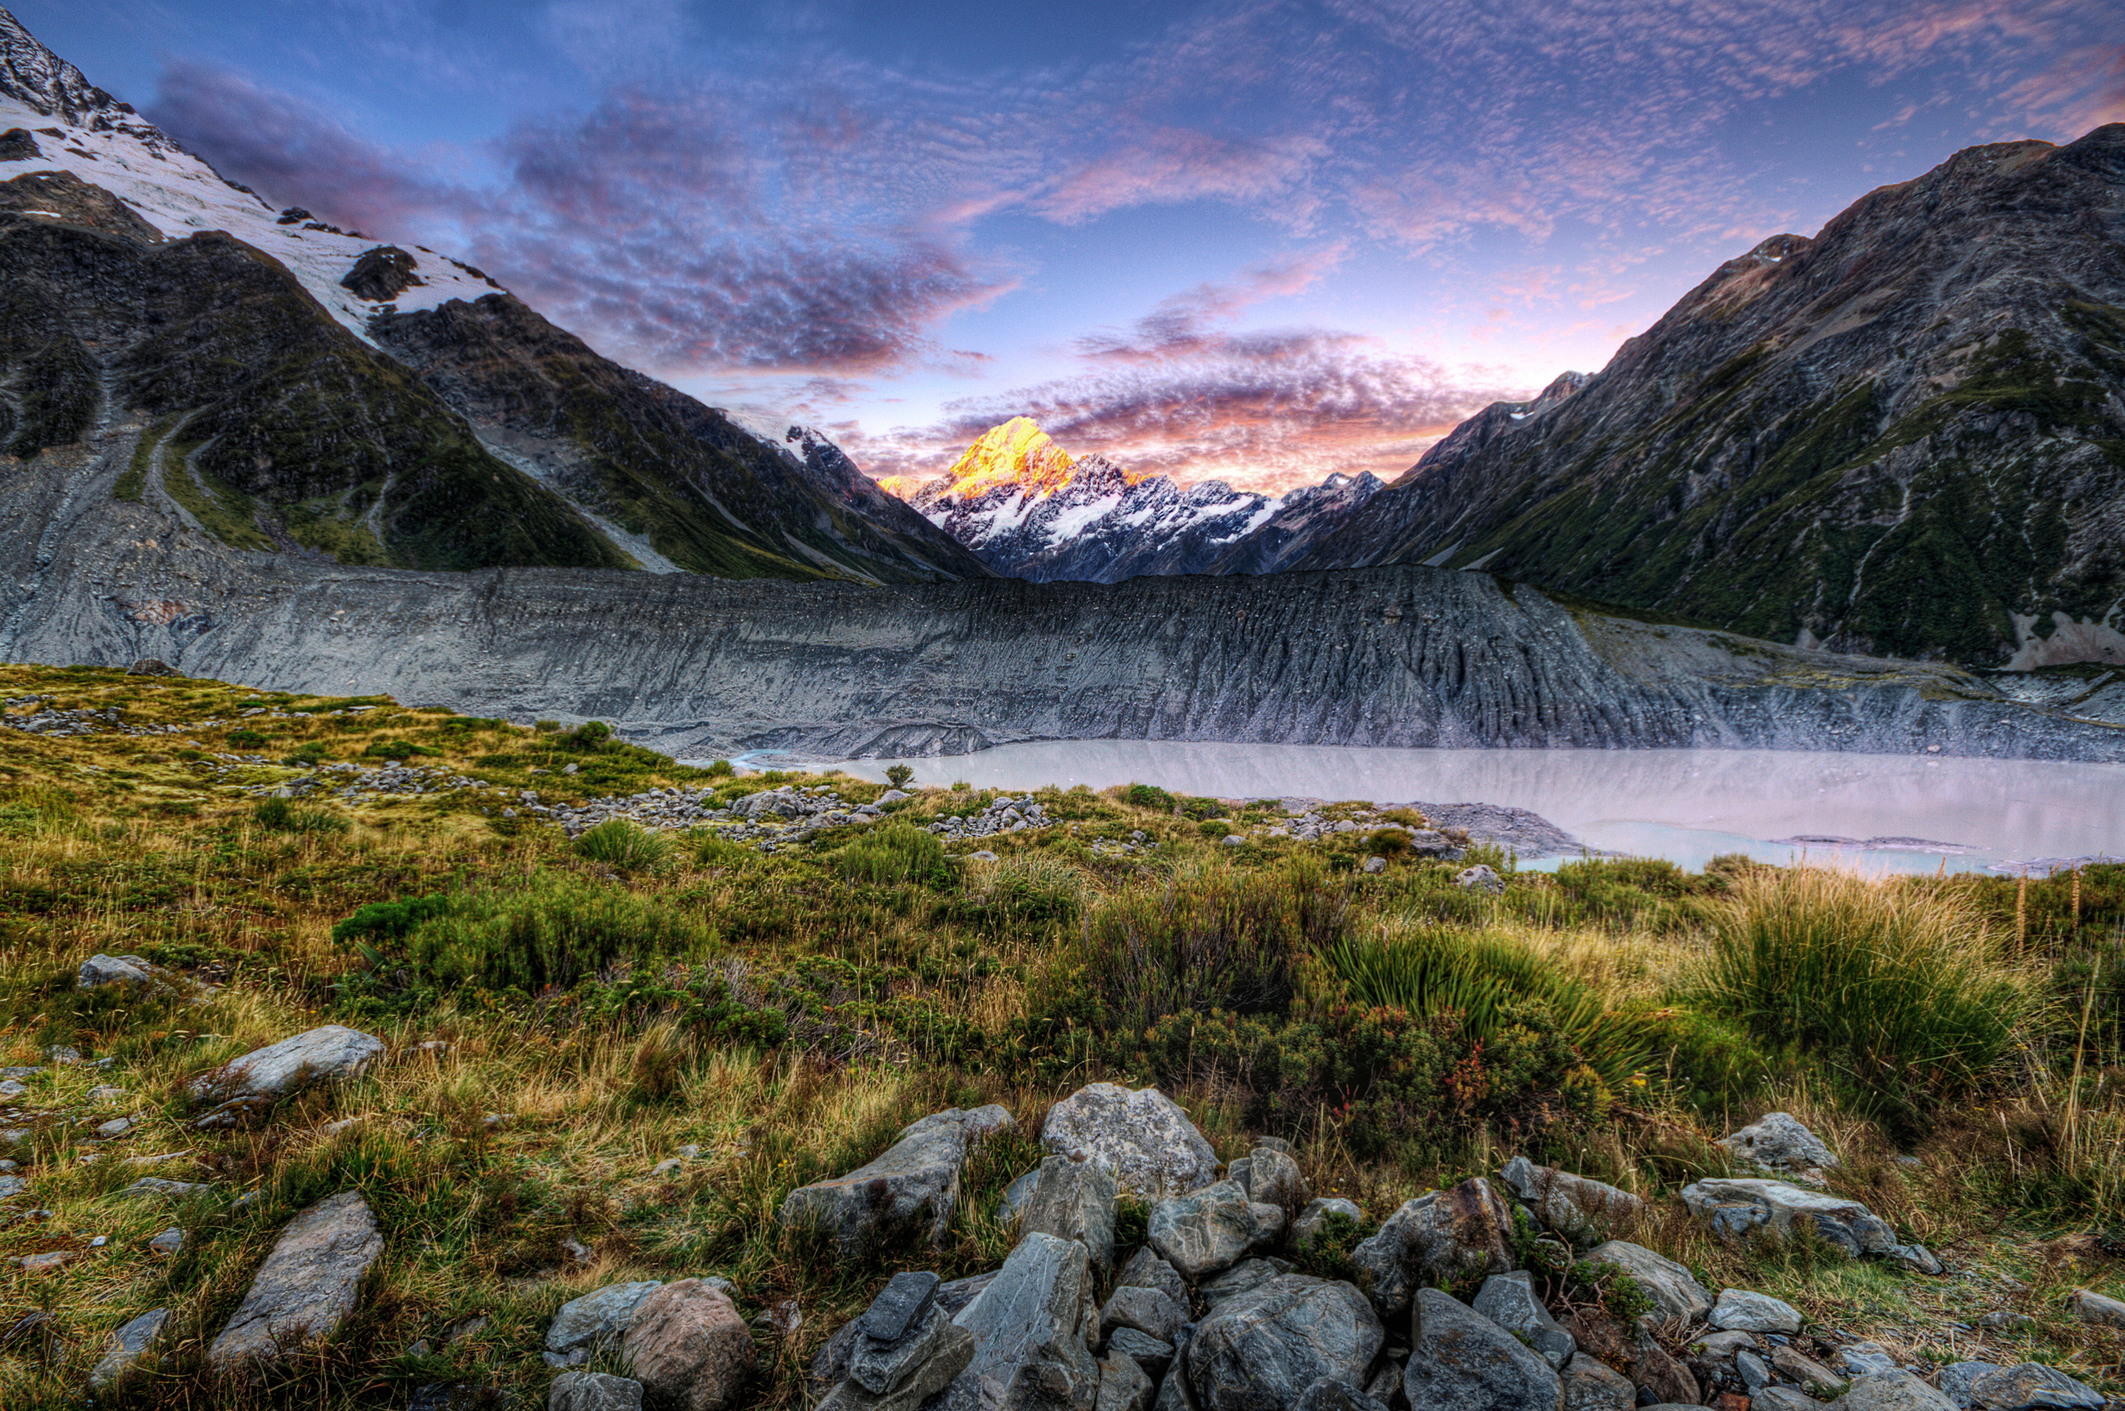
{"points": [[180, 195]]}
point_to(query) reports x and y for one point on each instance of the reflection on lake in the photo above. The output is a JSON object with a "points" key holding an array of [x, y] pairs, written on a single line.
{"points": [[1686, 805]]}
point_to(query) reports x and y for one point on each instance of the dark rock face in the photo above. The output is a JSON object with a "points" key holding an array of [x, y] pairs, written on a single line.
{"points": [[33, 74], [17, 145], [382, 274], [1893, 437], [62, 196]]}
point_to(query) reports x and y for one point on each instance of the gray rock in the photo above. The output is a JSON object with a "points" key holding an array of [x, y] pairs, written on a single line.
{"points": [[332, 1053], [1036, 1301], [1271, 1177], [914, 1180], [1591, 1385], [1785, 1398], [1736, 1208], [116, 1127], [1269, 1222], [158, 1185], [1894, 1391], [1807, 1374], [1461, 1361], [1313, 1220], [598, 1320], [1779, 1141], [914, 1369], [1143, 1137], [1958, 1379], [2031, 1386], [129, 970], [129, 1343], [169, 1242], [1862, 1358], [1372, 864], [1664, 1281], [1583, 1211], [1242, 1277], [2092, 1307], [1509, 1301], [1146, 1351], [1148, 1310], [1740, 1310], [1205, 1231], [1144, 1269], [1328, 1394], [1012, 1203], [308, 1284], [1479, 878], [900, 1306], [593, 1391], [1755, 1373], [1074, 1200], [1443, 1235], [956, 1295], [12, 1186], [688, 1347], [1124, 1386], [1261, 1350], [1721, 1347]]}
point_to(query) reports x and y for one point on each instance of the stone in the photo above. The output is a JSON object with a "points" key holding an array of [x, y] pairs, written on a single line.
{"points": [[2092, 1307], [1894, 1391], [1957, 1380], [593, 1391], [1328, 1394], [1735, 1208], [116, 1127], [332, 1053], [923, 1383], [1242, 1277], [1509, 1301], [1204, 1232], [308, 1283], [928, 1355], [688, 1347], [598, 1320], [1863, 1357], [1143, 1137], [129, 1343], [128, 970], [18, 145], [49, 1262], [161, 1185], [1462, 1361], [1755, 1373], [2029, 1386], [1035, 1302], [1722, 1347], [1782, 1398], [1146, 1351], [900, 1306], [1440, 1236], [1012, 1203], [1592, 1385], [1124, 1386], [1662, 1377], [9, 1087], [1074, 1200], [1583, 1211], [12, 1186], [1779, 1141], [1479, 878], [1664, 1281], [1261, 1350], [1145, 1269], [914, 1180], [1806, 1373], [1312, 1221], [169, 1242], [1739, 1310], [1269, 1222], [1372, 864], [1148, 1310], [1271, 1177]]}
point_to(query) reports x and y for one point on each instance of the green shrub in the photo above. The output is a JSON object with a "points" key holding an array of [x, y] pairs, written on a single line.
{"points": [[396, 749], [712, 849], [1216, 829], [720, 769], [280, 816], [1019, 894], [547, 727], [625, 845], [560, 931], [308, 755], [591, 737], [896, 854], [1899, 991], [245, 739], [899, 775], [1148, 796], [389, 920]]}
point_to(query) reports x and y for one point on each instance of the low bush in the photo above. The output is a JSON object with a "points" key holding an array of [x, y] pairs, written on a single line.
{"points": [[1148, 796], [1035, 893], [624, 845], [553, 935], [895, 855], [280, 816], [720, 769]]}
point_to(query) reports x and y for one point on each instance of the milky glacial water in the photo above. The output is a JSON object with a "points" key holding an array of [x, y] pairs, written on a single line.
{"points": [[1901, 813]]}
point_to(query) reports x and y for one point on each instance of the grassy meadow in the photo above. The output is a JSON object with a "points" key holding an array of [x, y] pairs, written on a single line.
{"points": [[565, 1019]]}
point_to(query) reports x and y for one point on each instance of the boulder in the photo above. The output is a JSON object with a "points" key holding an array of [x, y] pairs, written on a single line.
{"points": [[381, 274], [1270, 1177], [1807, 1374], [688, 1347], [332, 1053], [18, 145], [2091, 1307], [593, 1391], [1144, 1350], [1591, 1385], [1313, 1219], [1739, 1310], [129, 1343], [1509, 1301], [1957, 1378], [1779, 1141], [1722, 1347], [1073, 1199], [1147, 1310], [596, 1321], [1755, 1373], [916, 1180], [1124, 1386], [2027, 1386], [901, 1376], [1583, 1211], [1143, 1137], [1440, 1236], [1012, 1203], [1479, 878], [1261, 1350], [1462, 1361], [1243, 1277], [128, 970], [1894, 1391], [1784, 1398], [308, 1283], [1736, 1208], [1328, 1394], [1269, 1223], [1204, 1232], [1661, 1377], [1146, 1270], [1664, 1281], [1863, 1357], [1032, 1312]]}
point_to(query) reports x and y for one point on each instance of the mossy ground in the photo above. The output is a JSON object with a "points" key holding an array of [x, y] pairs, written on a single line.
{"points": [[814, 1015]]}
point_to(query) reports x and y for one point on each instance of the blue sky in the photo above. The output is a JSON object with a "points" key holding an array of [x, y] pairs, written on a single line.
{"points": [[1260, 242]]}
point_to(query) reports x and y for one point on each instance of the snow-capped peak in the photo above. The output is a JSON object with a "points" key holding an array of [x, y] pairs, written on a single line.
{"points": [[47, 84]]}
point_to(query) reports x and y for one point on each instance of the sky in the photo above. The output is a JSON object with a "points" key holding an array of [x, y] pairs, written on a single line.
{"points": [[1261, 243]]}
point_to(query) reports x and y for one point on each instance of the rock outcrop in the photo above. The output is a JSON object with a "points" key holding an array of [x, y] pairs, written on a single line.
{"points": [[308, 1284]]}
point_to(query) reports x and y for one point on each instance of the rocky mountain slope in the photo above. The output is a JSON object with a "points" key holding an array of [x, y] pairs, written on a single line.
{"points": [[269, 355], [1030, 511], [1905, 435]]}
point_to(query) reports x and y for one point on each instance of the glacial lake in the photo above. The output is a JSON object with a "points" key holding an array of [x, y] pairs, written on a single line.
{"points": [[1895, 813]]}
